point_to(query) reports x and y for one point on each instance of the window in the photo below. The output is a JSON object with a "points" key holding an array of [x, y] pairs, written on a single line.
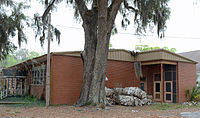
{"points": [[168, 87], [38, 75], [168, 76], [168, 97], [157, 77], [157, 87]]}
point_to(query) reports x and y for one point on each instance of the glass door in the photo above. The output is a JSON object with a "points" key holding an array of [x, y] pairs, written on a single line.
{"points": [[157, 87], [168, 91]]}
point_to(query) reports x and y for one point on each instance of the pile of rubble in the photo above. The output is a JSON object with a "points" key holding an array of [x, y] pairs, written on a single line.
{"points": [[129, 96], [191, 103]]}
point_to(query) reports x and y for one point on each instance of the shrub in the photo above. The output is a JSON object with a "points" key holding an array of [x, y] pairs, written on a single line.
{"points": [[31, 99], [194, 95]]}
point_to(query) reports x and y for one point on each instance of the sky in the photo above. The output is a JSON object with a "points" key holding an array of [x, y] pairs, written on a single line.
{"points": [[183, 30]]}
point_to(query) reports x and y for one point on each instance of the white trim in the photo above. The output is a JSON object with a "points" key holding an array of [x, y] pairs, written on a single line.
{"points": [[14, 77]]}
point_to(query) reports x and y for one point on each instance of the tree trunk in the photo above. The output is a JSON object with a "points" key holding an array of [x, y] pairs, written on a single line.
{"points": [[88, 56], [94, 61], [97, 91], [95, 52]]}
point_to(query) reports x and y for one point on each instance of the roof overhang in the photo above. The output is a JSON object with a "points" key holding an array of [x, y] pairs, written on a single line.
{"points": [[14, 73], [33, 61], [148, 57], [162, 54], [159, 62]]}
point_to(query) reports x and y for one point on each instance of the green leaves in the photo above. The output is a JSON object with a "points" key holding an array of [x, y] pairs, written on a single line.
{"points": [[147, 13], [10, 25], [6, 3], [18, 57], [194, 95], [41, 23], [7, 29], [142, 48], [41, 30]]}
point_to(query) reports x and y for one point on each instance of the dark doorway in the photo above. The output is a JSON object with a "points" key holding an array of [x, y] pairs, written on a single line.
{"points": [[170, 83]]}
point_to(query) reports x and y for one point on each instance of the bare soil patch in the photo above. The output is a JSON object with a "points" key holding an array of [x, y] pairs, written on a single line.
{"points": [[116, 111]]}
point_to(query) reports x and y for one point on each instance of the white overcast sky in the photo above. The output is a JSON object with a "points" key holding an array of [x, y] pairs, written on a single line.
{"points": [[183, 30]]}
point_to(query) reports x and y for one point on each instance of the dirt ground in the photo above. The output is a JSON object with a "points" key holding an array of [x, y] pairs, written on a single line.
{"points": [[91, 112]]}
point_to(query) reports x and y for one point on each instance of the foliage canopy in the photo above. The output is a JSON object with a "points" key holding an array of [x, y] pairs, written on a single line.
{"points": [[144, 14], [18, 57], [11, 24]]}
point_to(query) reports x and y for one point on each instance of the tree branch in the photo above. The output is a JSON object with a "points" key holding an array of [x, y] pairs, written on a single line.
{"points": [[129, 7], [81, 7], [94, 4], [47, 10], [112, 11]]}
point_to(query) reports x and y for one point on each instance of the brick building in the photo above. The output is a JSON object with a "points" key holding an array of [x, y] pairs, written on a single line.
{"points": [[166, 75], [194, 55]]}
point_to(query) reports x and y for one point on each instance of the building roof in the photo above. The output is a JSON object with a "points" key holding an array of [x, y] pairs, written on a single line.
{"points": [[114, 54], [125, 55], [120, 55], [162, 54], [194, 55]]}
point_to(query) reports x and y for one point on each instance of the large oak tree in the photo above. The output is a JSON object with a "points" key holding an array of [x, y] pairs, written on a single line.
{"points": [[98, 18]]}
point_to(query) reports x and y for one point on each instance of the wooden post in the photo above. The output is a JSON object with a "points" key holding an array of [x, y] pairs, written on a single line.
{"points": [[162, 84], [177, 82], [25, 82], [1, 95], [7, 83], [48, 63], [15, 86], [21, 87], [6, 92]]}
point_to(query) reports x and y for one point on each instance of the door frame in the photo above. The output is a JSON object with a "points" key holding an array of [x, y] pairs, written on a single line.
{"points": [[155, 99], [154, 89], [165, 92]]}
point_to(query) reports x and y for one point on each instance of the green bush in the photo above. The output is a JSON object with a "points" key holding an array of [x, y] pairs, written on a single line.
{"points": [[194, 95], [31, 99]]}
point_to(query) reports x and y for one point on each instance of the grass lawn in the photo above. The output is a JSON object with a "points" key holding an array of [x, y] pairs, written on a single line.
{"points": [[22, 101], [169, 106]]}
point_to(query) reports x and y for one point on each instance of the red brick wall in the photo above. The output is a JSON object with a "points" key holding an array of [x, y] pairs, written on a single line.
{"points": [[121, 74], [148, 72], [66, 77], [186, 79]]}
